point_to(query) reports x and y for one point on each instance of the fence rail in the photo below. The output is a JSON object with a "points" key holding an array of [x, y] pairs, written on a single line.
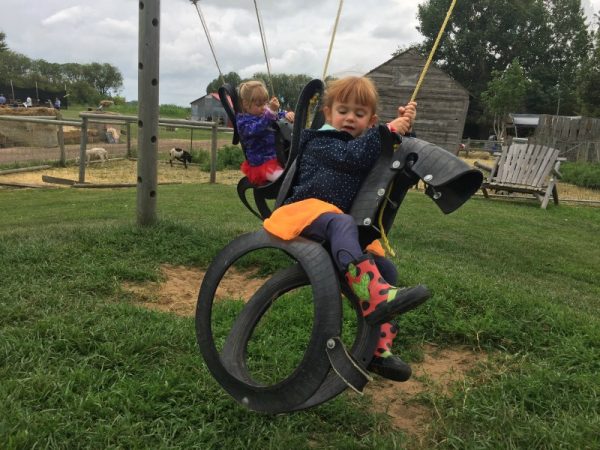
{"points": [[127, 120]]}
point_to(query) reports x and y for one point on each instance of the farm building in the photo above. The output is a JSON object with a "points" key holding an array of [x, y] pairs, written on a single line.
{"points": [[442, 101], [209, 108]]}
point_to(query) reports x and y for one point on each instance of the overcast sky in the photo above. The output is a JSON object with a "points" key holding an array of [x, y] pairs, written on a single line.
{"points": [[298, 34]]}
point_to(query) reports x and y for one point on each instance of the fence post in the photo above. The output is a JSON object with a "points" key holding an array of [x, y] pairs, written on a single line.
{"points": [[213, 153], [128, 128], [60, 136], [82, 146]]}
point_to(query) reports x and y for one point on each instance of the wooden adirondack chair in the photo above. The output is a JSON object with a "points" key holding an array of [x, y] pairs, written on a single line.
{"points": [[524, 167]]}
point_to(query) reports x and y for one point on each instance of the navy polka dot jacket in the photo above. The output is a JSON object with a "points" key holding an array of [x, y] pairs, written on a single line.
{"points": [[333, 165]]}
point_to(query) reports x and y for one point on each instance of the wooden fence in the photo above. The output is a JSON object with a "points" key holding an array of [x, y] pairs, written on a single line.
{"points": [[577, 138]]}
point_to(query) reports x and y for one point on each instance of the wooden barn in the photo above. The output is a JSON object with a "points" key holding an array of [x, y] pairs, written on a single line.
{"points": [[209, 108], [442, 102]]}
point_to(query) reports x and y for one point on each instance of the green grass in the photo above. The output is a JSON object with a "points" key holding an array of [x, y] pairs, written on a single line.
{"points": [[82, 366]]}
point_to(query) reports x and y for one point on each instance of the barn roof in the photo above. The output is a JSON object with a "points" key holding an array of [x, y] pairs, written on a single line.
{"points": [[414, 54], [214, 95]]}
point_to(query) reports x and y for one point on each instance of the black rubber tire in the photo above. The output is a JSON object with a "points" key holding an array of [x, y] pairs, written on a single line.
{"points": [[302, 384], [234, 353]]}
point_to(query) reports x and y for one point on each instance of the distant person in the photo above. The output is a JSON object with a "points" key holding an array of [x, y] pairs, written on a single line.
{"points": [[57, 103], [28, 102], [2, 99]]}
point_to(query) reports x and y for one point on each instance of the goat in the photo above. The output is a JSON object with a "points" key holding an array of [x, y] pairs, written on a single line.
{"points": [[180, 155], [94, 153]]}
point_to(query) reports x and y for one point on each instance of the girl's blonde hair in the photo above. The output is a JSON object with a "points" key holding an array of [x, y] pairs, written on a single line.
{"points": [[252, 92], [360, 90]]}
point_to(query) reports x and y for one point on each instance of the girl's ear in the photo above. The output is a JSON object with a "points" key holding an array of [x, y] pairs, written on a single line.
{"points": [[373, 120], [327, 113]]}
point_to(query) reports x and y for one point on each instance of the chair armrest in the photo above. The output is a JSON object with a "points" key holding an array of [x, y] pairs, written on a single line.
{"points": [[483, 166]]}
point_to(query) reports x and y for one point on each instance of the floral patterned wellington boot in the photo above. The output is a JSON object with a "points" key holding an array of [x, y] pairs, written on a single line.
{"points": [[380, 302], [384, 363]]}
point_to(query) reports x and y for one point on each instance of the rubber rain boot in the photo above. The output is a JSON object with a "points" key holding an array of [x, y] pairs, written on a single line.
{"points": [[384, 363], [380, 302]]}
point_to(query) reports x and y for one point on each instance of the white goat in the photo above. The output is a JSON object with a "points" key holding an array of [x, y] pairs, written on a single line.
{"points": [[94, 153]]}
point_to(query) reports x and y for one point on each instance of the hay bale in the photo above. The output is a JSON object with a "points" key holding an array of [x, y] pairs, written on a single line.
{"points": [[24, 134], [33, 111]]}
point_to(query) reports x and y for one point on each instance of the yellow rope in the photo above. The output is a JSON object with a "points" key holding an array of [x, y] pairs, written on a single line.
{"points": [[337, 19], [432, 52], [384, 238]]}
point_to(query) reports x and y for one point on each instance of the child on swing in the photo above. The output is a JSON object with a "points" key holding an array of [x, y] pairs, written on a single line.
{"points": [[334, 162], [255, 126]]}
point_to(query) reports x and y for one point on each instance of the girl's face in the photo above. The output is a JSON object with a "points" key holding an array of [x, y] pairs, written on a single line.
{"points": [[350, 117], [256, 108]]}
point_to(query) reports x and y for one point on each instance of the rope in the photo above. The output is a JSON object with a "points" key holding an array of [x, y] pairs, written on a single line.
{"points": [[264, 44], [337, 19], [384, 238], [432, 52], [210, 43]]}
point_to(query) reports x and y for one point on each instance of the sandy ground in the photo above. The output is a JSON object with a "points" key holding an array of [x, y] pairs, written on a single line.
{"points": [[440, 368], [125, 171]]}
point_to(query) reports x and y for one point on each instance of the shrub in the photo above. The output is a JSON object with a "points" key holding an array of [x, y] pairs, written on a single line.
{"points": [[581, 174], [228, 157]]}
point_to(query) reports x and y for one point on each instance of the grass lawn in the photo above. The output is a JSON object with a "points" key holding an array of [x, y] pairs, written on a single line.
{"points": [[82, 365]]}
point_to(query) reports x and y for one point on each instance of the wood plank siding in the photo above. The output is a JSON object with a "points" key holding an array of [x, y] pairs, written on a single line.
{"points": [[442, 102]]}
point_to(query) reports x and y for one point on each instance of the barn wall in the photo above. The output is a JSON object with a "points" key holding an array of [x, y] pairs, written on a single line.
{"points": [[208, 107], [442, 102]]}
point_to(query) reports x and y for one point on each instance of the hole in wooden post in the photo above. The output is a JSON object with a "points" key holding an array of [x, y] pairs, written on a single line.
{"points": [[152, 194]]}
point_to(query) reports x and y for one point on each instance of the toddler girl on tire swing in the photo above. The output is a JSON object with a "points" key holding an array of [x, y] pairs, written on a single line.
{"points": [[334, 162]]}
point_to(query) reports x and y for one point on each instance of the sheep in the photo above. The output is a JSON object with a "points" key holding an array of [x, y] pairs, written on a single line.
{"points": [[94, 153], [180, 155]]}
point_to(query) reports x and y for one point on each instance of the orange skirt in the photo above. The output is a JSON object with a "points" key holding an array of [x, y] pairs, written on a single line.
{"points": [[288, 221]]}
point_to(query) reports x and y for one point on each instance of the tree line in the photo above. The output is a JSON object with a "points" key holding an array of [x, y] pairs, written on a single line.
{"points": [[84, 83], [521, 56], [525, 56]]}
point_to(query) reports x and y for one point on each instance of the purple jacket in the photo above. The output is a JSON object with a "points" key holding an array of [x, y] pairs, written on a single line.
{"points": [[258, 136]]}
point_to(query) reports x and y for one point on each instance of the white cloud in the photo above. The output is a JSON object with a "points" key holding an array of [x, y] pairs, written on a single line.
{"points": [[298, 35]]}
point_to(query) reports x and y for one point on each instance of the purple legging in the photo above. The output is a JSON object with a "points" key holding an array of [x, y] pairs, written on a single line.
{"points": [[340, 231]]}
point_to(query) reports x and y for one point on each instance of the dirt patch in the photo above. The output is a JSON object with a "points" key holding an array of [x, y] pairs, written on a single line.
{"points": [[178, 293], [122, 171], [439, 369]]}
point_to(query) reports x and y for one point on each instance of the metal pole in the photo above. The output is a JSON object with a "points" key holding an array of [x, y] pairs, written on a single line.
{"points": [[148, 71], [82, 146]]}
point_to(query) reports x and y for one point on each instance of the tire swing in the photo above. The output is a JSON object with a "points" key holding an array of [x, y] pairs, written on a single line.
{"points": [[326, 368]]}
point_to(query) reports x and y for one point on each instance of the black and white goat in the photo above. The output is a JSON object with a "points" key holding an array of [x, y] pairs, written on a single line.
{"points": [[180, 155]]}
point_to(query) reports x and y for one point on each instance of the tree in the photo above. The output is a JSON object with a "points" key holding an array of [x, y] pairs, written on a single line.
{"points": [[287, 87], [505, 93], [548, 37], [3, 46], [231, 78], [588, 79], [103, 77]]}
